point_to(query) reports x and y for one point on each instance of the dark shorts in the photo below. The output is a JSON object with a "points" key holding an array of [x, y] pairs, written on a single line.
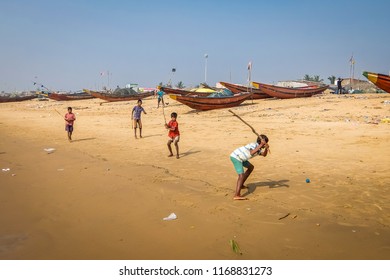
{"points": [[69, 128]]}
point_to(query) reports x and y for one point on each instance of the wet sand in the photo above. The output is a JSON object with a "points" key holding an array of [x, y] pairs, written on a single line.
{"points": [[105, 194]]}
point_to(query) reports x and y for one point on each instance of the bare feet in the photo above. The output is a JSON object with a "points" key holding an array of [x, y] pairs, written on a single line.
{"points": [[239, 198], [171, 155], [177, 156]]}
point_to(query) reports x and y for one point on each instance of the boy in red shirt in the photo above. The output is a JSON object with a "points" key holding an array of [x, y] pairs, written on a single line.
{"points": [[69, 120], [173, 134]]}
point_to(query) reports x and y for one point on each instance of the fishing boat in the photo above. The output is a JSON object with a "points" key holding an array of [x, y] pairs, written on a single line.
{"points": [[210, 103], [120, 95], [66, 96], [382, 81], [195, 92], [16, 97], [287, 92], [235, 88]]}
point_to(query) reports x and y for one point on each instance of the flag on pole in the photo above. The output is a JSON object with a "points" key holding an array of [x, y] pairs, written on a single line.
{"points": [[249, 71], [352, 60]]}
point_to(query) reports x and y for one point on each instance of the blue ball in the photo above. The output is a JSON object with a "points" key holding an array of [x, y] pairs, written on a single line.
{"points": [[307, 180]]}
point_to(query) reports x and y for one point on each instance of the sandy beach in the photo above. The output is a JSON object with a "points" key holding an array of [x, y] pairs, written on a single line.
{"points": [[105, 194]]}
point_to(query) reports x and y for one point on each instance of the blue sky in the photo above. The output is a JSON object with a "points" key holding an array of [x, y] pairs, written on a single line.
{"points": [[66, 45]]}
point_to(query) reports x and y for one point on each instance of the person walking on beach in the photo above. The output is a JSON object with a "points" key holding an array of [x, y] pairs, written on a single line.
{"points": [[240, 157], [136, 118], [160, 98], [173, 134], [69, 120]]}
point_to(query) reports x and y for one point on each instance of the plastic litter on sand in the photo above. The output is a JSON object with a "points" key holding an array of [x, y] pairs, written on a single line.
{"points": [[171, 216], [49, 150]]}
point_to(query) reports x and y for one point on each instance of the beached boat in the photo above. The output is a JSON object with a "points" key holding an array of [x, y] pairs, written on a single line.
{"points": [[235, 88], [211, 103], [16, 98], [286, 92], [79, 95], [382, 81], [176, 91], [117, 95]]}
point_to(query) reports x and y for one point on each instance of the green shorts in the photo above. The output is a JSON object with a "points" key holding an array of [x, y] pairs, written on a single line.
{"points": [[239, 165]]}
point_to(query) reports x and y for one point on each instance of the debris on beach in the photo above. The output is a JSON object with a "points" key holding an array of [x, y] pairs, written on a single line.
{"points": [[49, 150], [235, 247], [285, 216], [171, 217], [6, 169]]}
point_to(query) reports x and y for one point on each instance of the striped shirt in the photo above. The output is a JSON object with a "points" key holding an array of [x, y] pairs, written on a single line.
{"points": [[243, 153]]}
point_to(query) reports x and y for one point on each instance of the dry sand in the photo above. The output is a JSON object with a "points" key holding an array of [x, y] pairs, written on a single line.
{"points": [[104, 196]]}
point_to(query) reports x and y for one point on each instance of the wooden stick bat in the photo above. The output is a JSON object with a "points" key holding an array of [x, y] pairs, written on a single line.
{"points": [[58, 112], [165, 120], [251, 127], [253, 130]]}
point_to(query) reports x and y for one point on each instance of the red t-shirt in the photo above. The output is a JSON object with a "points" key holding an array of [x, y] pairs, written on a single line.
{"points": [[173, 129], [69, 118]]}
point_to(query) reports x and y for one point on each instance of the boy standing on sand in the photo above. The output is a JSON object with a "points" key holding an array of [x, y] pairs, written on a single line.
{"points": [[240, 158], [69, 120], [173, 134], [136, 116], [160, 97]]}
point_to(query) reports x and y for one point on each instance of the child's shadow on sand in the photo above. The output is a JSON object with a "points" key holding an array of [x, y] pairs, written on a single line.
{"points": [[189, 152], [270, 184]]}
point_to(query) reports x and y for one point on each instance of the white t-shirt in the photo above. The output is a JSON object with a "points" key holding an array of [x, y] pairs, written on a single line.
{"points": [[243, 153]]}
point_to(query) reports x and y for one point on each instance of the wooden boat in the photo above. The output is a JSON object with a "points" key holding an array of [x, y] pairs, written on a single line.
{"points": [[16, 98], [211, 103], [286, 92], [114, 97], [69, 96], [257, 93], [382, 81], [183, 92]]}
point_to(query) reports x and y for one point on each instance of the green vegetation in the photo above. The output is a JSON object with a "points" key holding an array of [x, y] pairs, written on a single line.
{"points": [[315, 78], [180, 85], [332, 79]]}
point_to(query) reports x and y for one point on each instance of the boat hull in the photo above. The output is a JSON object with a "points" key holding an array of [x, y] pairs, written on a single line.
{"points": [[382, 81], [183, 92], [257, 93], [4, 99], [285, 93], [69, 97], [115, 98], [211, 103]]}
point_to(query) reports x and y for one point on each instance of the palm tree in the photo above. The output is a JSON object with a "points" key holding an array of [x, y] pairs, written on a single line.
{"points": [[332, 79], [180, 85], [317, 79]]}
